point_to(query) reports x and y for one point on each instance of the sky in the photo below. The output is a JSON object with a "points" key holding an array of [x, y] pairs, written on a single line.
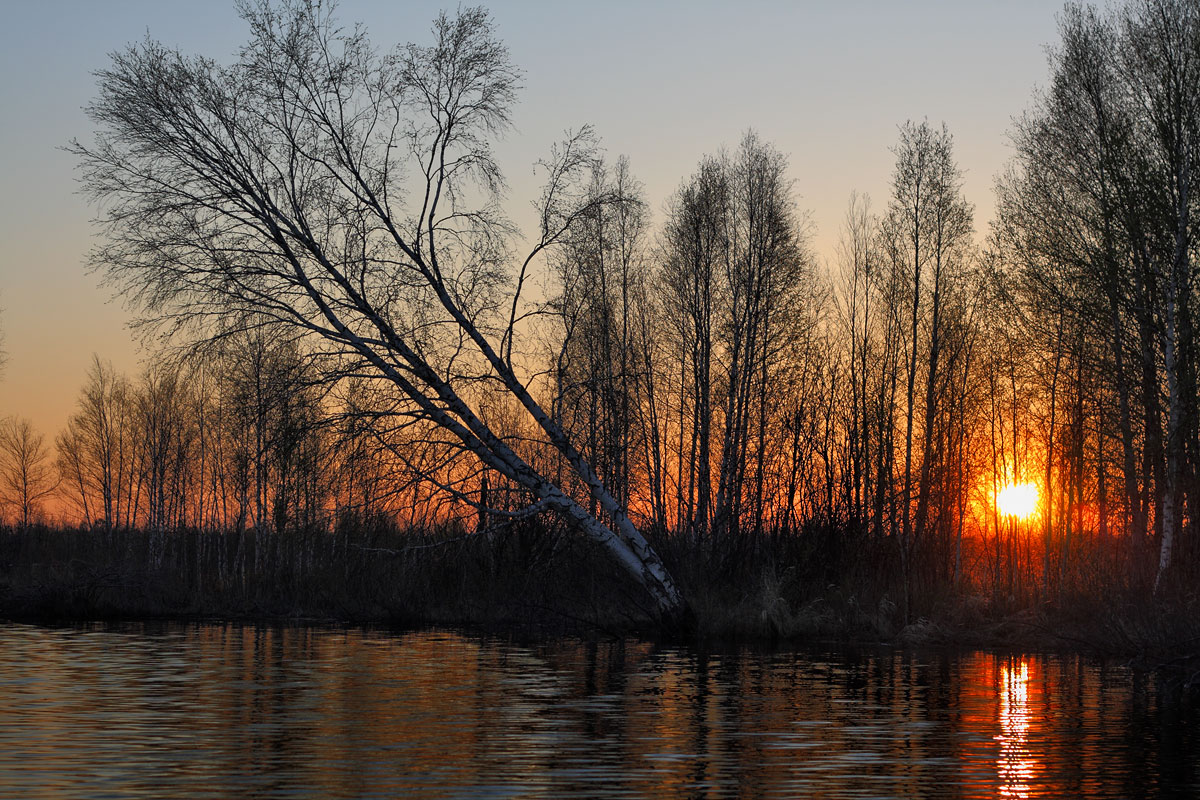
{"points": [[662, 82]]}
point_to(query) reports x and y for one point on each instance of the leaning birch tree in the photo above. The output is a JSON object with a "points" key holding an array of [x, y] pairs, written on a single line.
{"points": [[321, 187]]}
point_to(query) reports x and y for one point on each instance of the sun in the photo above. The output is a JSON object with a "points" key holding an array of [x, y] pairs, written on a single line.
{"points": [[1018, 500]]}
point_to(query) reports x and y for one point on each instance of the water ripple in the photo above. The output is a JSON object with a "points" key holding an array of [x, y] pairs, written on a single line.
{"points": [[227, 710]]}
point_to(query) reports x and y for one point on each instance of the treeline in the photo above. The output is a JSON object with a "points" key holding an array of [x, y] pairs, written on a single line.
{"points": [[1095, 249], [240, 437], [896, 395], [699, 383]]}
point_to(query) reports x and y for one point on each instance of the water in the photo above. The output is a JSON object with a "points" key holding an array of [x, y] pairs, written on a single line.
{"points": [[235, 711]]}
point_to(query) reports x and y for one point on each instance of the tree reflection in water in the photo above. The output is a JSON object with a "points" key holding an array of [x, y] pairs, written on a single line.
{"points": [[180, 711]]}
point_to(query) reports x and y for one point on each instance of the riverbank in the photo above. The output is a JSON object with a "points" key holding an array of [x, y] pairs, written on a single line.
{"points": [[538, 579]]}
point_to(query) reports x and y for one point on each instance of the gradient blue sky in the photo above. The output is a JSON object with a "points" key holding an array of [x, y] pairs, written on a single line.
{"points": [[665, 83]]}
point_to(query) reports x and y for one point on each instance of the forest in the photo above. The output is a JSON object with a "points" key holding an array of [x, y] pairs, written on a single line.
{"points": [[375, 398]]}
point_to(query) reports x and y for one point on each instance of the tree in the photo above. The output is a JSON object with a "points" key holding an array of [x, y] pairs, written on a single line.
{"points": [[926, 236], [98, 451], [693, 247], [26, 478], [738, 288], [857, 261], [1162, 68], [601, 274], [317, 187], [1097, 221], [767, 275]]}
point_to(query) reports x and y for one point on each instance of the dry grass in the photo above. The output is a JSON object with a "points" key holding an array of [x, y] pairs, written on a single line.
{"points": [[820, 583]]}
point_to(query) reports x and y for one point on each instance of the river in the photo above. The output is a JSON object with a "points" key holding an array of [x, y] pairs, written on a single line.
{"points": [[222, 710]]}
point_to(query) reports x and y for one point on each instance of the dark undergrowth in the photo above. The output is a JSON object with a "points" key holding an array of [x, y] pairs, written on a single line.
{"points": [[821, 583]]}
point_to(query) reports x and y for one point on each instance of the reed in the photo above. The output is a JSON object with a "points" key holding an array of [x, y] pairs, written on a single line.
{"points": [[821, 582]]}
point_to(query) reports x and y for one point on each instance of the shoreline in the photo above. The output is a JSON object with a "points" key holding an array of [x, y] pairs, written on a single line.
{"points": [[539, 582], [1016, 632]]}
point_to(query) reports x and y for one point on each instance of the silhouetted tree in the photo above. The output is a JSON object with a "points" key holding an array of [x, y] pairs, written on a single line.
{"points": [[738, 289], [926, 238], [26, 475], [98, 451], [1096, 224], [321, 188], [602, 276]]}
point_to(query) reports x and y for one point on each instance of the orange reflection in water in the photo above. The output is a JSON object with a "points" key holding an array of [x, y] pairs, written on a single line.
{"points": [[1015, 763], [294, 712]]}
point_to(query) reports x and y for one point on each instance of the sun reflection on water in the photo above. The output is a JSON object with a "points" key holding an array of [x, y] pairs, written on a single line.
{"points": [[298, 712], [1015, 763]]}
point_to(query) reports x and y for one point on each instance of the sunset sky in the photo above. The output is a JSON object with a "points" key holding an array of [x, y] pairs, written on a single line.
{"points": [[664, 85]]}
